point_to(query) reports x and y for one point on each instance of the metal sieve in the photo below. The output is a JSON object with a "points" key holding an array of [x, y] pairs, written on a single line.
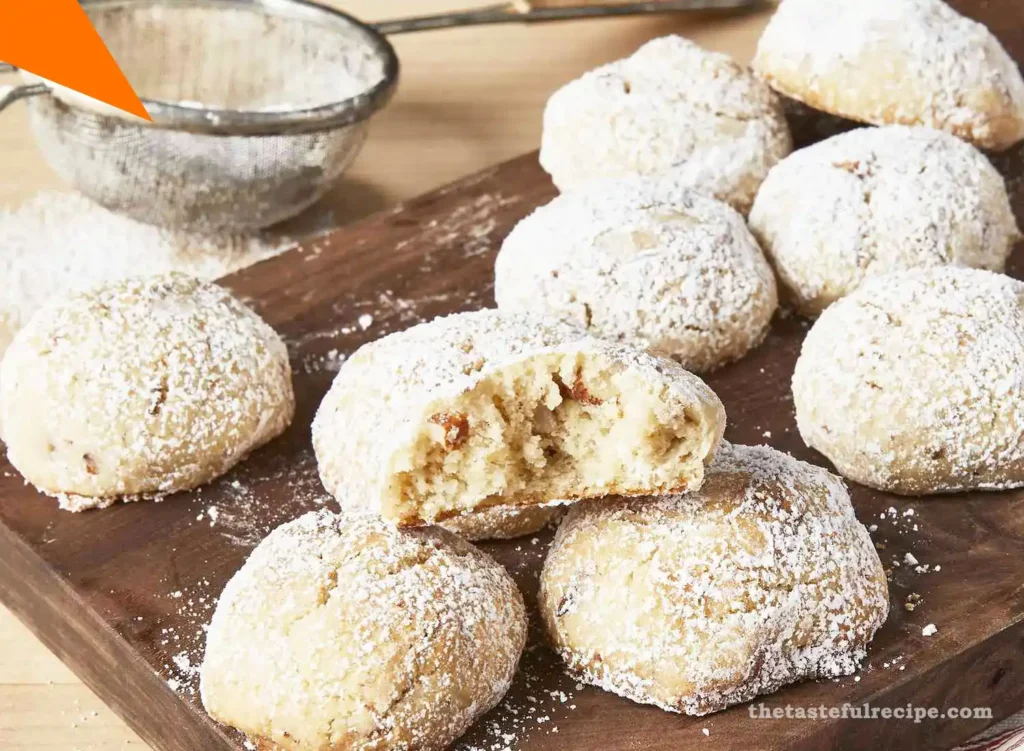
{"points": [[258, 106]]}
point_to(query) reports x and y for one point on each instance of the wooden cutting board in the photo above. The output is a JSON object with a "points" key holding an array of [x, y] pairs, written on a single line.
{"points": [[123, 595]]}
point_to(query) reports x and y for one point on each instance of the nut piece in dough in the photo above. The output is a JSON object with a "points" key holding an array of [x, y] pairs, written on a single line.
{"points": [[495, 409], [140, 387], [878, 200], [502, 522], [914, 383], [671, 107], [696, 602], [644, 261], [909, 62], [344, 632]]}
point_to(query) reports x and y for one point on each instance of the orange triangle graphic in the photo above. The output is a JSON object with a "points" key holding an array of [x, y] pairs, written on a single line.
{"points": [[55, 40]]}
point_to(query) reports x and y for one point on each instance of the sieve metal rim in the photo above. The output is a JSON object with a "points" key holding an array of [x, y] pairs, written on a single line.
{"points": [[171, 116]]}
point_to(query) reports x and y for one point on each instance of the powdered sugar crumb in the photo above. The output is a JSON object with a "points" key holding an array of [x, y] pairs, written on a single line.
{"points": [[57, 243]]}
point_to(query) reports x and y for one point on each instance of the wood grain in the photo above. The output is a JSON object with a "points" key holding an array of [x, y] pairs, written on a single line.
{"points": [[108, 591]]}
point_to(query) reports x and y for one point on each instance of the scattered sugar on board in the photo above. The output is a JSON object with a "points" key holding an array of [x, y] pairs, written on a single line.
{"points": [[183, 643], [245, 511], [899, 533], [60, 242], [541, 696], [329, 362], [470, 229]]}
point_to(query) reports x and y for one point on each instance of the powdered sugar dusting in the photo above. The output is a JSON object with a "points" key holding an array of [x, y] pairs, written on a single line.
{"points": [[762, 577], [646, 261], [915, 382], [877, 200], [140, 387], [670, 107], [417, 609], [58, 243], [915, 62]]}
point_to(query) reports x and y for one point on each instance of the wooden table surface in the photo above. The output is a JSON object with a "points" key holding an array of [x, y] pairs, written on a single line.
{"points": [[468, 98]]}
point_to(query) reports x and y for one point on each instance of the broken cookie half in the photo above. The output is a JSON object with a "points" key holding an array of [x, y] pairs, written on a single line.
{"points": [[494, 409]]}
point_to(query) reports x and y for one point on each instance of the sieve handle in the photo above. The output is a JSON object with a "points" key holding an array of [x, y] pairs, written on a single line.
{"points": [[524, 11], [11, 94]]}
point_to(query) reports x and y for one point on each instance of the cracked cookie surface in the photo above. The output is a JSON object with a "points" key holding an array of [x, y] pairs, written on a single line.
{"points": [[670, 108], [343, 632], [909, 62], [914, 383], [643, 261], [878, 200], [140, 387], [700, 601]]}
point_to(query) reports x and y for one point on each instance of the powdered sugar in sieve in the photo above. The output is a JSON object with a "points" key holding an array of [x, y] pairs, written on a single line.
{"points": [[257, 108]]}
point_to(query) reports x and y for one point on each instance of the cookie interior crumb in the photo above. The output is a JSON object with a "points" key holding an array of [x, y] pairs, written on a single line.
{"points": [[553, 426]]}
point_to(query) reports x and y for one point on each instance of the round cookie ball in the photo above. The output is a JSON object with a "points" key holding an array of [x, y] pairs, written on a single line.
{"points": [[343, 632], [643, 261], [914, 383], [671, 107], [911, 62], [140, 387], [878, 200], [700, 601], [502, 522]]}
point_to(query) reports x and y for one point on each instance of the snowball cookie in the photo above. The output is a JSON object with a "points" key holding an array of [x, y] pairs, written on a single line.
{"points": [[140, 387], [696, 602], [670, 107], [915, 62], [494, 409], [878, 200], [502, 522], [344, 632], [914, 383], [643, 261]]}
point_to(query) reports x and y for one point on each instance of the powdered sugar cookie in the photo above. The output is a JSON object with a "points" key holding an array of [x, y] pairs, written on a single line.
{"points": [[139, 387], [502, 522], [643, 261], [878, 200], [696, 602], [486, 409], [913, 62], [347, 633], [670, 107], [914, 383]]}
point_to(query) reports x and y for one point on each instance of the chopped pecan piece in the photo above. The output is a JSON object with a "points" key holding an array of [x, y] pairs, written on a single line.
{"points": [[456, 428]]}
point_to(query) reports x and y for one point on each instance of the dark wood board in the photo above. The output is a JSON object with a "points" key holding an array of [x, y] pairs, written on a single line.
{"points": [[122, 595]]}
